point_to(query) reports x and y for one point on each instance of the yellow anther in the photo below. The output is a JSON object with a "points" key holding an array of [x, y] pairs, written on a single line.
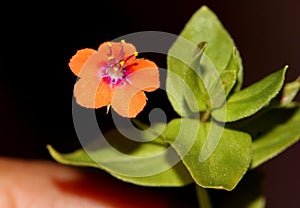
{"points": [[122, 63], [123, 41], [135, 53], [110, 57], [109, 44]]}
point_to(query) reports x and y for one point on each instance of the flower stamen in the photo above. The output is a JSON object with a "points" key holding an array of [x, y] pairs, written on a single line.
{"points": [[110, 56], [122, 48]]}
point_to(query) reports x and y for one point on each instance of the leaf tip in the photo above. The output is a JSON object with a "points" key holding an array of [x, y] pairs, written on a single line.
{"points": [[284, 69], [202, 45], [49, 147], [204, 7], [234, 50], [54, 154]]}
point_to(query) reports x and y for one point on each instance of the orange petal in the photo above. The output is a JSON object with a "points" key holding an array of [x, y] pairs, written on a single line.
{"points": [[144, 75], [92, 67], [91, 93], [107, 49], [78, 60], [128, 101]]}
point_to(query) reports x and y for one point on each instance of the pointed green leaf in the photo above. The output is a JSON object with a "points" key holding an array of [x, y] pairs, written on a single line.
{"points": [[228, 78], [139, 158], [226, 165], [196, 95], [233, 65], [248, 101], [205, 90], [272, 131], [290, 91], [203, 26]]}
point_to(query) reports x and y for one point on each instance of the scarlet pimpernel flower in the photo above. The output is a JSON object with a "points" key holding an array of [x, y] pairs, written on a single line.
{"points": [[113, 76]]}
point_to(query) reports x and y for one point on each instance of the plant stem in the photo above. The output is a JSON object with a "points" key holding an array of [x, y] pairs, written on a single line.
{"points": [[159, 140], [203, 197], [205, 116]]}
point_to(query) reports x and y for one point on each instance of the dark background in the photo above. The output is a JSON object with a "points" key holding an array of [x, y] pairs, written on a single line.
{"points": [[36, 85]]}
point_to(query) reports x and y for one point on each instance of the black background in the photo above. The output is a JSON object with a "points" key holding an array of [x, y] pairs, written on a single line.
{"points": [[38, 39]]}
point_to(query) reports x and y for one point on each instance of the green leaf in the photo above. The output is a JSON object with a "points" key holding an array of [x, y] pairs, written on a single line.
{"points": [[196, 95], [290, 91], [248, 101], [273, 132], [226, 165], [228, 78], [203, 26], [123, 155], [235, 82]]}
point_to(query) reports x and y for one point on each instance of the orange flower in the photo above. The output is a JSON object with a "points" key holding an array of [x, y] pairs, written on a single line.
{"points": [[112, 76]]}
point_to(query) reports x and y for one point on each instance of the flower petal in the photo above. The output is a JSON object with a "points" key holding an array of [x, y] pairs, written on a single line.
{"points": [[78, 60], [128, 101], [92, 67], [114, 49], [91, 93], [144, 75]]}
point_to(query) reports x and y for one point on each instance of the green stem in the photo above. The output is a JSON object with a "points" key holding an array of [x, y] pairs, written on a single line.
{"points": [[203, 197], [205, 116], [159, 138]]}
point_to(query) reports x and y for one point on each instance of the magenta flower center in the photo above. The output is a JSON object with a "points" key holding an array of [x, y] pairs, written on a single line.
{"points": [[113, 73]]}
